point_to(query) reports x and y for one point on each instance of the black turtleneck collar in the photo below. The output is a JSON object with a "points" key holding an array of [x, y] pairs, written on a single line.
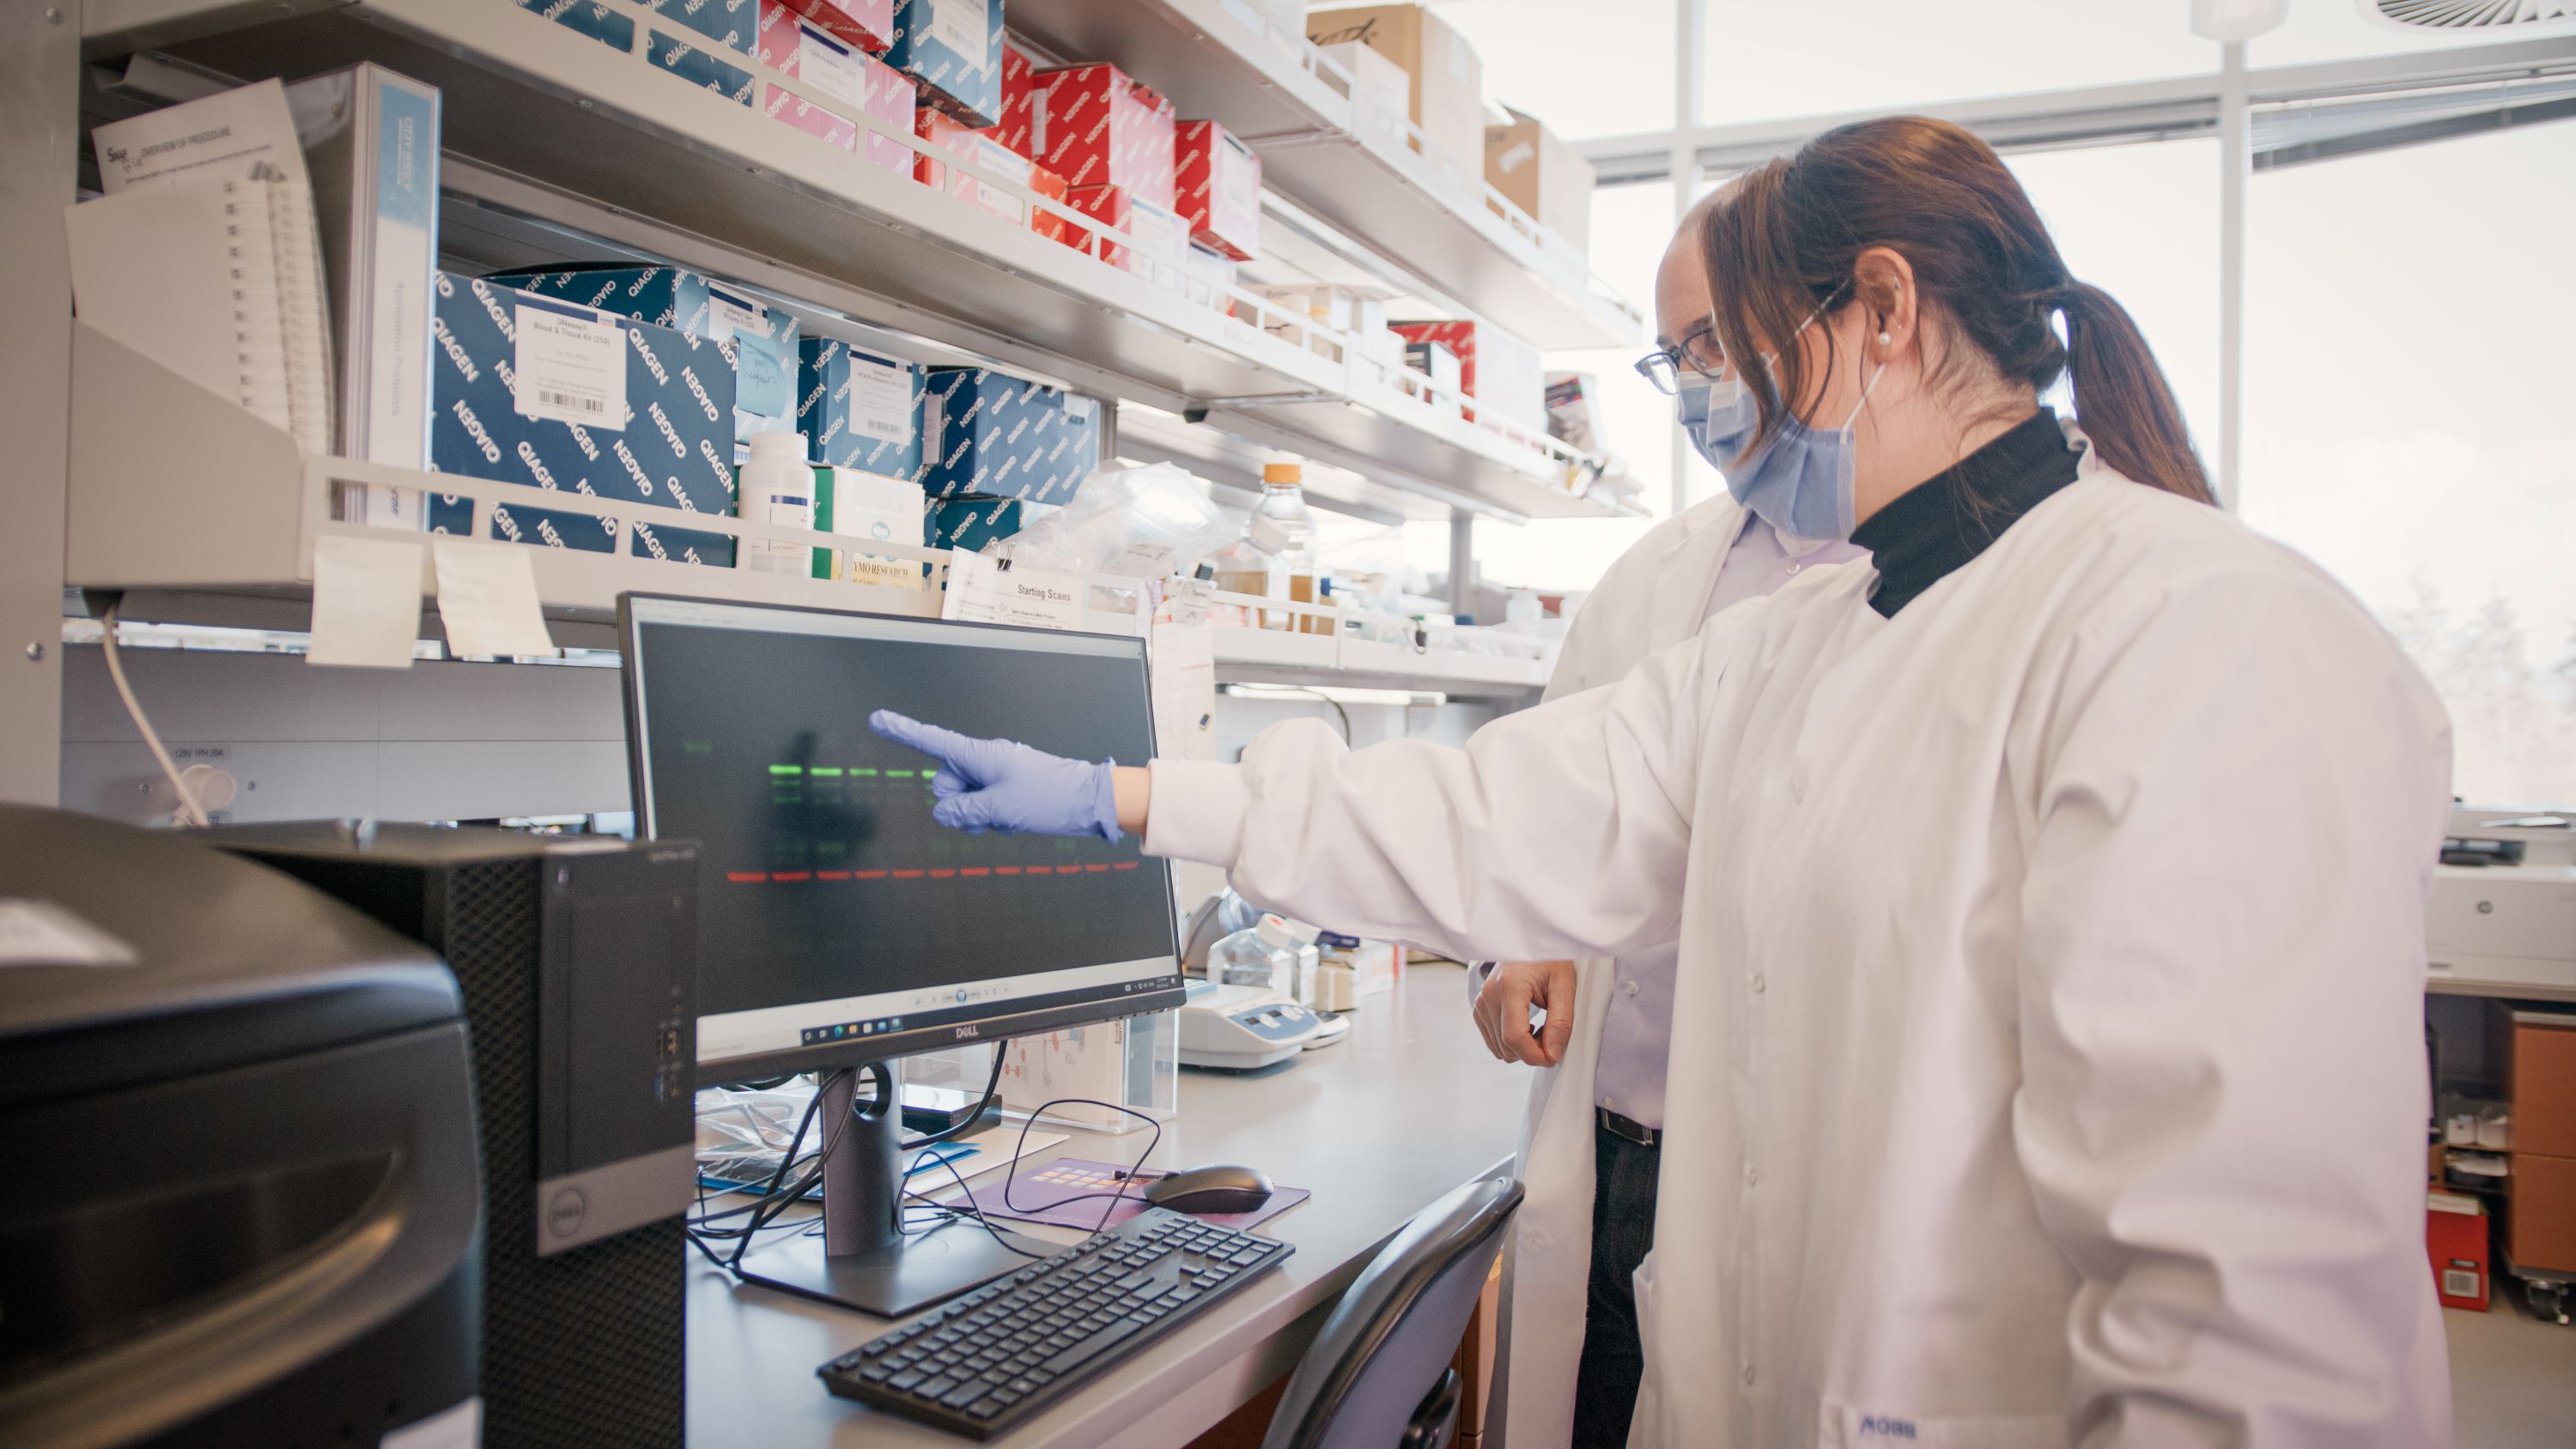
{"points": [[1938, 526]]}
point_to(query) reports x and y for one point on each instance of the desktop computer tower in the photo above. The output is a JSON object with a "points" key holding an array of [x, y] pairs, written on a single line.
{"points": [[577, 957]]}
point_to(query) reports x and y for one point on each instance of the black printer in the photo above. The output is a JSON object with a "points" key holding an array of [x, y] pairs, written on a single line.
{"points": [[240, 1199]]}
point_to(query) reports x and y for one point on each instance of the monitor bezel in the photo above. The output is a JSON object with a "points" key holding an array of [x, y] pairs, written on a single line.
{"points": [[1000, 1025]]}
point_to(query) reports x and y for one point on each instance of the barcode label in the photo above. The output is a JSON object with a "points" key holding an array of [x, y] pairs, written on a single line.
{"points": [[2456, 1284], [571, 369]]}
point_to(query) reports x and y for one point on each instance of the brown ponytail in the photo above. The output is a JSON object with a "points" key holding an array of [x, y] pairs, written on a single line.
{"points": [[2127, 406], [1785, 241]]}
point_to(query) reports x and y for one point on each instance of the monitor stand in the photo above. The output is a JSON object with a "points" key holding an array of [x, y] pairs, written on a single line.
{"points": [[863, 1260]]}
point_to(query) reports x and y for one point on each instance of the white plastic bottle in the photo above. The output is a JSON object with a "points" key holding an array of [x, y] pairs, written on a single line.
{"points": [[776, 486]]}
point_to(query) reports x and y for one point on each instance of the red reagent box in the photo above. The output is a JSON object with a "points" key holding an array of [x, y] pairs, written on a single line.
{"points": [[1095, 127]]}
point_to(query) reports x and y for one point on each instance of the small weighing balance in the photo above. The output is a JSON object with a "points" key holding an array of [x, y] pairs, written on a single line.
{"points": [[1243, 1028]]}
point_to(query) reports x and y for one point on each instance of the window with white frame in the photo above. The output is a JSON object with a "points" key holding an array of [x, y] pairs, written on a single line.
{"points": [[2408, 424]]}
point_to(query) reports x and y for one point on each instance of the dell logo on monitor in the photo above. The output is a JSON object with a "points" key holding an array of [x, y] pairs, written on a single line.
{"points": [[970, 1029]]}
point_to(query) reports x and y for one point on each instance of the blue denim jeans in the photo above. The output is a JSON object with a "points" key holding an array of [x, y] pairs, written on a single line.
{"points": [[1623, 1229]]}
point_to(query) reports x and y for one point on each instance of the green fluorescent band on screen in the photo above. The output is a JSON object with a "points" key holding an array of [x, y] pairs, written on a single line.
{"points": [[899, 774], [826, 772], [787, 769], [871, 774]]}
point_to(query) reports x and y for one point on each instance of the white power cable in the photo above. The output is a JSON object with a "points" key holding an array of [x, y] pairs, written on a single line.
{"points": [[189, 814]]}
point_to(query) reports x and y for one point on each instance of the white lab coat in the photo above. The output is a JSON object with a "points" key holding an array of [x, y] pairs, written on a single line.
{"points": [[2047, 1056], [1656, 596]]}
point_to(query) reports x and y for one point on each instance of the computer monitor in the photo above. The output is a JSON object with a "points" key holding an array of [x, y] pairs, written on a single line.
{"points": [[838, 924]]}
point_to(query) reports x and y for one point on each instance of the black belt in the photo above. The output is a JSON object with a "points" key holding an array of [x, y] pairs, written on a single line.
{"points": [[1627, 1127]]}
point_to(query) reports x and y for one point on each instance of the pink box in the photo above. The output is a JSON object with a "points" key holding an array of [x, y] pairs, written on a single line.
{"points": [[1219, 189], [804, 115], [980, 146], [794, 46], [867, 24]]}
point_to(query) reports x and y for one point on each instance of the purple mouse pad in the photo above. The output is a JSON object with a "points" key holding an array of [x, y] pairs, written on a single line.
{"points": [[1058, 1194]]}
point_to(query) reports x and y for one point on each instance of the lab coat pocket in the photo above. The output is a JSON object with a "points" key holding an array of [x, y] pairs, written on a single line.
{"points": [[1894, 1427]]}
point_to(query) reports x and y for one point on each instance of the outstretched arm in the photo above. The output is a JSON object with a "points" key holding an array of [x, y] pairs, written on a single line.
{"points": [[1559, 831]]}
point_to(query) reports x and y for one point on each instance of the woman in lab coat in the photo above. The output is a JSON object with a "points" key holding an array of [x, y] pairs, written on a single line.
{"points": [[2047, 1055]]}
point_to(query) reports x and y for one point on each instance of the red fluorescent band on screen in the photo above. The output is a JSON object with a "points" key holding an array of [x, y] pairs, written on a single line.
{"points": [[1124, 865], [791, 875], [907, 875], [831, 875], [746, 877], [1095, 867], [942, 874], [871, 875]]}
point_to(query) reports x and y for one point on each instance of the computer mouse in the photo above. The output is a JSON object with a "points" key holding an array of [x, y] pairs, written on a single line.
{"points": [[1211, 1190]]}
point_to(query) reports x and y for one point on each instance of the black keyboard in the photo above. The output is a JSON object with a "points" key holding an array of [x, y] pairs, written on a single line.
{"points": [[983, 1363]]}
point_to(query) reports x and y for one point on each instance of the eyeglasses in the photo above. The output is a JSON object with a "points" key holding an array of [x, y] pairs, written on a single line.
{"points": [[1698, 353]]}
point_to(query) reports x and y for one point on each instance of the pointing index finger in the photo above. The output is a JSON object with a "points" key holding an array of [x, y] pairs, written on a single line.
{"points": [[912, 734]]}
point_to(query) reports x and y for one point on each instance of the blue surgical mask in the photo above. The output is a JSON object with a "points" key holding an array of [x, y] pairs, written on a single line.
{"points": [[1801, 481]]}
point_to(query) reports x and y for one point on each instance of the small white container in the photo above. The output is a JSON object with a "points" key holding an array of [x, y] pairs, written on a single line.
{"points": [[870, 506], [776, 486]]}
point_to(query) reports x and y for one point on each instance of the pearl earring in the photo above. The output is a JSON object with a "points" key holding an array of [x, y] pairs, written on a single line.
{"points": [[1885, 341]]}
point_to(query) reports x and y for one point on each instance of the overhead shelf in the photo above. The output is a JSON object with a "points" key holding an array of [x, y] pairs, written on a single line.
{"points": [[544, 109], [1454, 236], [1303, 661], [1270, 641], [1219, 60], [1380, 426], [235, 529], [231, 540], [543, 121]]}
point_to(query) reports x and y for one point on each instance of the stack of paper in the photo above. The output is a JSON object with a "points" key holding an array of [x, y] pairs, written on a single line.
{"points": [[203, 255]]}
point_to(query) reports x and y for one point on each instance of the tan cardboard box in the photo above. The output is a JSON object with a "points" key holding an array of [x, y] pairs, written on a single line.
{"points": [[1448, 81], [1476, 1354], [1540, 174]]}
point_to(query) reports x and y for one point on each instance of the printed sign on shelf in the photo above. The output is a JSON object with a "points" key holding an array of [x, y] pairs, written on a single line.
{"points": [[984, 590]]}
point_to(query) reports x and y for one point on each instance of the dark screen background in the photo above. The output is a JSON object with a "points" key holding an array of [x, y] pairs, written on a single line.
{"points": [[824, 875]]}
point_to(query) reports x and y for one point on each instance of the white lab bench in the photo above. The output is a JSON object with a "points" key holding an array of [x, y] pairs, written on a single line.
{"points": [[1405, 1108]]}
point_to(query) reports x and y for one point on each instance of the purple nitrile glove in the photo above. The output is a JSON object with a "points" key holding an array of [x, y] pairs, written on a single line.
{"points": [[1007, 787]]}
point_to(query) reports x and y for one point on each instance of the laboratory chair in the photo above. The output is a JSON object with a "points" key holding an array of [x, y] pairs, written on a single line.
{"points": [[1379, 1374]]}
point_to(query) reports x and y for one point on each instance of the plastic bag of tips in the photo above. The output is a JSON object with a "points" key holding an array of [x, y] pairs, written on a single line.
{"points": [[1142, 523]]}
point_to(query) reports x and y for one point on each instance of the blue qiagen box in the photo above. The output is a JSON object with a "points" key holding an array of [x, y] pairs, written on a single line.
{"points": [[967, 524], [607, 24], [713, 26], [537, 390], [761, 343], [691, 60], [731, 23], [859, 410], [989, 435], [954, 48]]}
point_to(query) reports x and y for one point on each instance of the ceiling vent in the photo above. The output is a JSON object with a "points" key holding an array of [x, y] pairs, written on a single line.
{"points": [[2506, 18]]}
